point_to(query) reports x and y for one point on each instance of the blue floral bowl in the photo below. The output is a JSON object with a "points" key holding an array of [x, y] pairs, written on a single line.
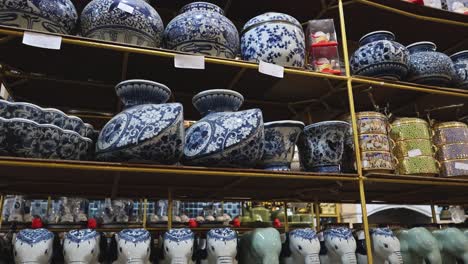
{"points": [[56, 16], [460, 61], [151, 132], [379, 55], [280, 142], [224, 137], [107, 20]]}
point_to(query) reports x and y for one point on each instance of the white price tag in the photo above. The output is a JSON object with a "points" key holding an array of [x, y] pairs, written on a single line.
{"points": [[42, 40], [365, 164], [414, 153], [189, 61], [126, 8], [4, 93], [361, 235], [461, 166], [320, 236], [271, 69]]}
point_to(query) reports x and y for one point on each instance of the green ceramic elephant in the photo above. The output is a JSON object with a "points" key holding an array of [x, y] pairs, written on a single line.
{"points": [[453, 245], [261, 246], [419, 246]]}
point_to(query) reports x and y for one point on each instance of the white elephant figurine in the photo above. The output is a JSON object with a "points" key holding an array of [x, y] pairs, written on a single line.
{"points": [[177, 246], [260, 246], [339, 246], [385, 247], [132, 246], [302, 246], [453, 245], [33, 246], [83, 246], [419, 246], [221, 246]]}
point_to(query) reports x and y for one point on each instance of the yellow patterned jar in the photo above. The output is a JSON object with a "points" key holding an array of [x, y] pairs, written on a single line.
{"points": [[450, 132], [377, 161], [413, 148], [409, 128], [454, 168], [420, 165], [372, 123], [374, 142]]}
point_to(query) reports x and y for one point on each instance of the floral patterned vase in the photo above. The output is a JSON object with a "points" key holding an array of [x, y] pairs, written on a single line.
{"points": [[379, 55], [427, 66], [460, 61], [322, 145], [224, 137], [33, 246], [280, 142], [57, 16], [147, 130], [111, 20], [202, 28], [275, 38]]}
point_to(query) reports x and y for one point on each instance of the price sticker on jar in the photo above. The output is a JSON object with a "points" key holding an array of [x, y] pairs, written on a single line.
{"points": [[126, 8], [271, 69], [40, 40], [414, 153], [461, 166]]}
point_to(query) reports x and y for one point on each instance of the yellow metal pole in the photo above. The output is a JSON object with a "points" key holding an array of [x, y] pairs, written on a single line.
{"points": [[434, 216], [317, 213], [49, 205], [313, 215], [145, 212], [365, 220], [169, 209], [1, 210], [286, 221], [338, 213]]}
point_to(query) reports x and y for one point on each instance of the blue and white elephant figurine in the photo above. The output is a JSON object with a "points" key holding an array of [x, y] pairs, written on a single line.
{"points": [[177, 247], [83, 246], [338, 246], [302, 246], [221, 246], [260, 246], [131, 246], [385, 247], [33, 246]]}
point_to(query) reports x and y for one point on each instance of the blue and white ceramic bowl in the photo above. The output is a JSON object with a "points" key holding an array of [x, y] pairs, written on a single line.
{"points": [[151, 132], [202, 28], [275, 38], [107, 20], [460, 61], [322, 145], [224, 137], [280, 142], [379, 55], [427, 66], [56, 16]]}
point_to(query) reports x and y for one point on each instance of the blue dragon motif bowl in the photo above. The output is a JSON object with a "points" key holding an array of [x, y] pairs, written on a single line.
{"points": [[202, 28], [151, 132], [280, 142], [460, 61], [105, 20], [224, 137], [275, 38], [56, 16], [379, 55]]}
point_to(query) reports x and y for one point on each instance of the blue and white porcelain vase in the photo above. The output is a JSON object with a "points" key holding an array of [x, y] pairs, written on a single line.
{"points": [[148, 130], [379, 55], [202, 28], [280, 142], [224, 137], [56, 16], [33, 246], [126, 21], [427, 66], [322, 145], [460, 62], [275, 38]]}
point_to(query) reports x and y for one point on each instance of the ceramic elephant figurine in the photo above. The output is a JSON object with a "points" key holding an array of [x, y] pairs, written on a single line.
{"points": [[453, 245], [302, 246], [260, 246], [385, 247], [338, 247], [419, 246], [131, 246], [221, 246], [83, 246], [178, 246], [33, 246]]}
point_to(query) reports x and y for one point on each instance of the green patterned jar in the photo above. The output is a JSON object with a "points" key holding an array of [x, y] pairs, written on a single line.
{"points": [[413, 148], [420, 165], [409, 128]]}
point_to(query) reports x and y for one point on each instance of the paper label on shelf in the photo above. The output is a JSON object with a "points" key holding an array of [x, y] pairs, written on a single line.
{"points": [[414, 153], [461, 166], [365, 163], [361, 235], [4, 93], [271, 69], [126, 8], [189, 61], [41, 40]]}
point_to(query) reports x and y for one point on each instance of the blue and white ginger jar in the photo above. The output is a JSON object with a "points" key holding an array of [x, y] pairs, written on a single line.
{"points": [[275, 38], [427, 66], [202, 28], [280, 142], [148, 130], [379, 55], [460, 61], [56, 16], [322, 146], [224, 137], [104, 20]]}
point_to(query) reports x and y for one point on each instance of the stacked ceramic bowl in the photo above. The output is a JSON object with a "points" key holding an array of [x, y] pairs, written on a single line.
{"points": [[451, 139], [413, 147]]}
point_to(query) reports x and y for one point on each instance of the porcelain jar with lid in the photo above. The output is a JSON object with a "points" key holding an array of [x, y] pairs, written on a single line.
{"points": [[202, 28], [427, 66], [148, 130], [379, 55], [460, 62], [275, 38], [224, 136]]}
